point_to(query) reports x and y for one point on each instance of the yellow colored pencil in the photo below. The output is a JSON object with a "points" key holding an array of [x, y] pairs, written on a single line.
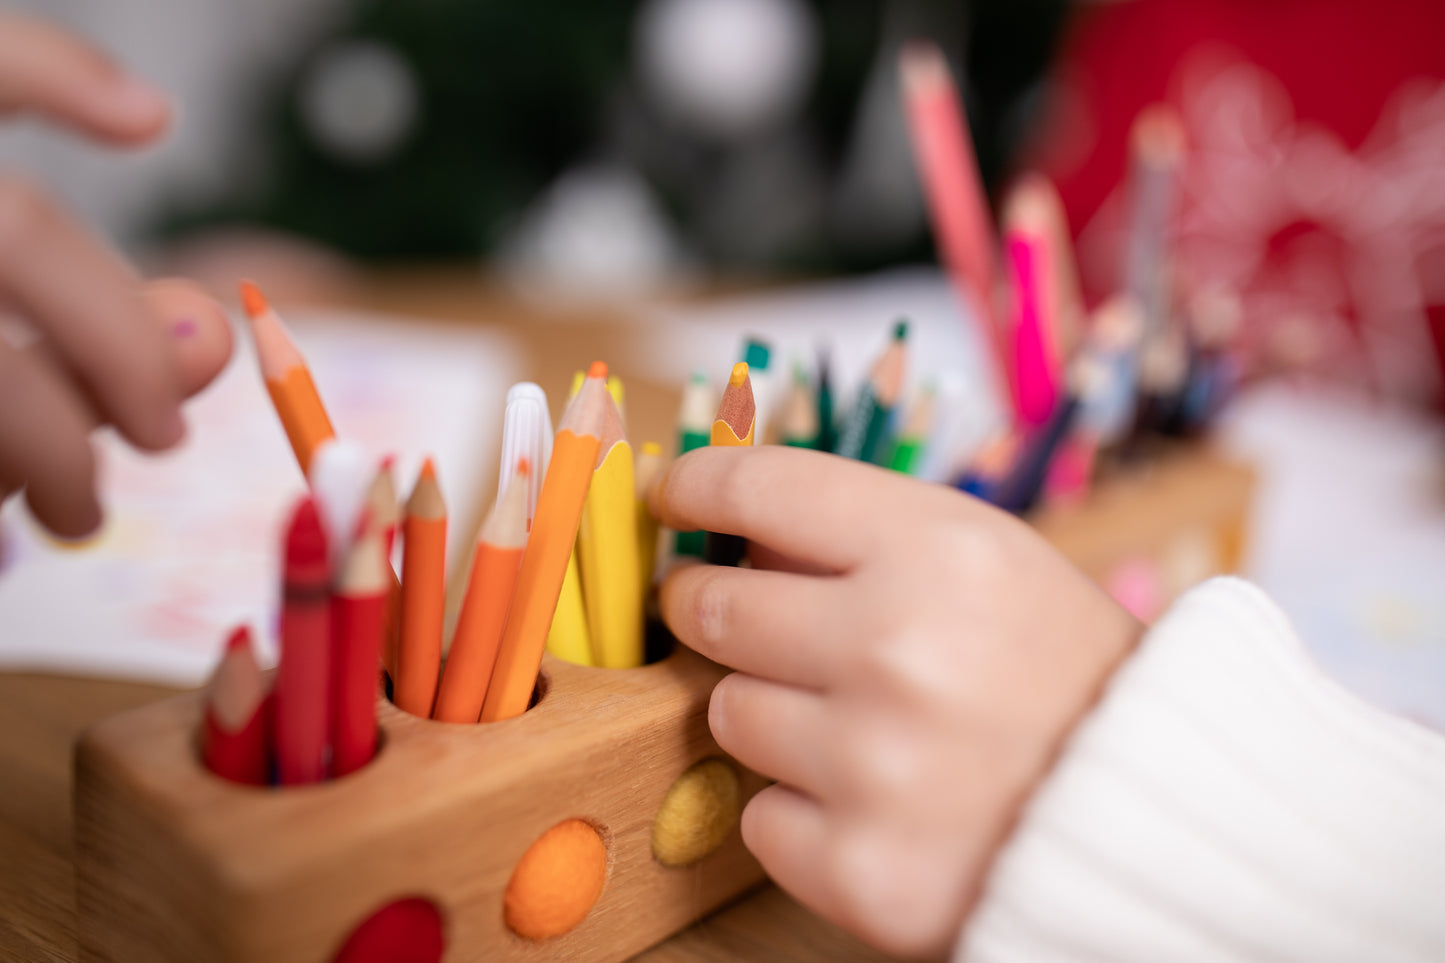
{"points": [[734, 428], [568, 638], [649, 469], [607, 549]]}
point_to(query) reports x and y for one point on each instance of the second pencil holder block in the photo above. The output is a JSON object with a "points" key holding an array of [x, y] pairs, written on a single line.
{"points": [[176, 864]]}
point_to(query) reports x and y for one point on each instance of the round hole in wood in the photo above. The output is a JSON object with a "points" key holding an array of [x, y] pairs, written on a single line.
{"points": [[404, 931], [699, 811], [556, 882]]}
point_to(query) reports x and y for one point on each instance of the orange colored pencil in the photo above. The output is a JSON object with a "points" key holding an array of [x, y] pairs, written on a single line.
{"points": [[358, 619], [293, 392], [544, 562], [423, 595], [484, 608], [236, 741]]}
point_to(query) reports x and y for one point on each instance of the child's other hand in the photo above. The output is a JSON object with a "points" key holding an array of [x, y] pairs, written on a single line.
{"points": [[910, 662], [105, 347]]}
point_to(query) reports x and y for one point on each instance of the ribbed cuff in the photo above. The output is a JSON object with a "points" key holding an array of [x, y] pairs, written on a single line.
{"points": [[1226, 801]]}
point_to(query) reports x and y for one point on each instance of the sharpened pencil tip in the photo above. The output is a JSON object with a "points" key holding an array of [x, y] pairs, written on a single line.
{"points": [[524, 468], [253, 300], [651, 448], [740, 373], [597, 370], [900, 330], [428, 469], [240, 638]]}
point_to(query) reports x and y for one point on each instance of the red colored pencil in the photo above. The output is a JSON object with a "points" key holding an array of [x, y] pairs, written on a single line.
{"points": [[235, 744], [303, 682], [358, 621]]}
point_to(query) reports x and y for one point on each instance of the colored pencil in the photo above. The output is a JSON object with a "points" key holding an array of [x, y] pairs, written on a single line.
{"points": [[235, 737], [526, 434], [423, 595], [799, 427], [1036, 366], [303, 681], [1156, 146], [913, 439], [341, 478], [1032, 207], [1111, 343], [495, 562], [827, 425], [991, 464], [358, 622], [544, 562], [288, 380], [607, 552], [868, 421], [381, 505], [568, 637], [693, 427], [945, 449], [650, 466], [735, 426], [1090, 375], [957, 205]]}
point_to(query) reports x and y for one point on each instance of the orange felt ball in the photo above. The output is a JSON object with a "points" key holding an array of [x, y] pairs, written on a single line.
{"points": [[556, 881]]}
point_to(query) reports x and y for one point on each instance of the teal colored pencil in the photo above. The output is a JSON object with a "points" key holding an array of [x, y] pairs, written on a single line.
{"points": [[867, 424], [827, 432]]}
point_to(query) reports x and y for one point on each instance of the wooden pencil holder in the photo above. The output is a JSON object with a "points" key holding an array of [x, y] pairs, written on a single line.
{"points": [[176, 864]]}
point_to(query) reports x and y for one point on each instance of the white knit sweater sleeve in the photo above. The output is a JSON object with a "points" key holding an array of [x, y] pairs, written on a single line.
{"points": [[1226, 801]]}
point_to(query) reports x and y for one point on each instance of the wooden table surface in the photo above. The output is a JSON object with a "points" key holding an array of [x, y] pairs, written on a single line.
{"points": [[41, 715]]}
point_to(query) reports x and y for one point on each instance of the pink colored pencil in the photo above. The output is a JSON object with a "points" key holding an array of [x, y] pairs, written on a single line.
{"points": [[1036, 365]]}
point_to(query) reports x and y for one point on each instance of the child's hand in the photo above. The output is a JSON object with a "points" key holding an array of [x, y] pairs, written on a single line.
{"points": [[910, 662], [106, 349]]}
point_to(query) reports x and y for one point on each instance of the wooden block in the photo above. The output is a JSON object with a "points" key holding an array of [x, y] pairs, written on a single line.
{"points": [[175, 864]]}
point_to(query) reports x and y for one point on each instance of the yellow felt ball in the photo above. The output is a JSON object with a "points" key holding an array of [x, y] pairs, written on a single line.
{"points": [[697, 814], [557, 880]]}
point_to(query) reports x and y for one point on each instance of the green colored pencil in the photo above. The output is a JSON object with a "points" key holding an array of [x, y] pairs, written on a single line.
{"points": [[867, 423]]}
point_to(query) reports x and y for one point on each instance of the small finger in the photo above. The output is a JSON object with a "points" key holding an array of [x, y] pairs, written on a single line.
{"points": [[788, 834], [808, 505], [776, 730], [770, 624], [85, 301], [45, 445], [46, 70]]}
